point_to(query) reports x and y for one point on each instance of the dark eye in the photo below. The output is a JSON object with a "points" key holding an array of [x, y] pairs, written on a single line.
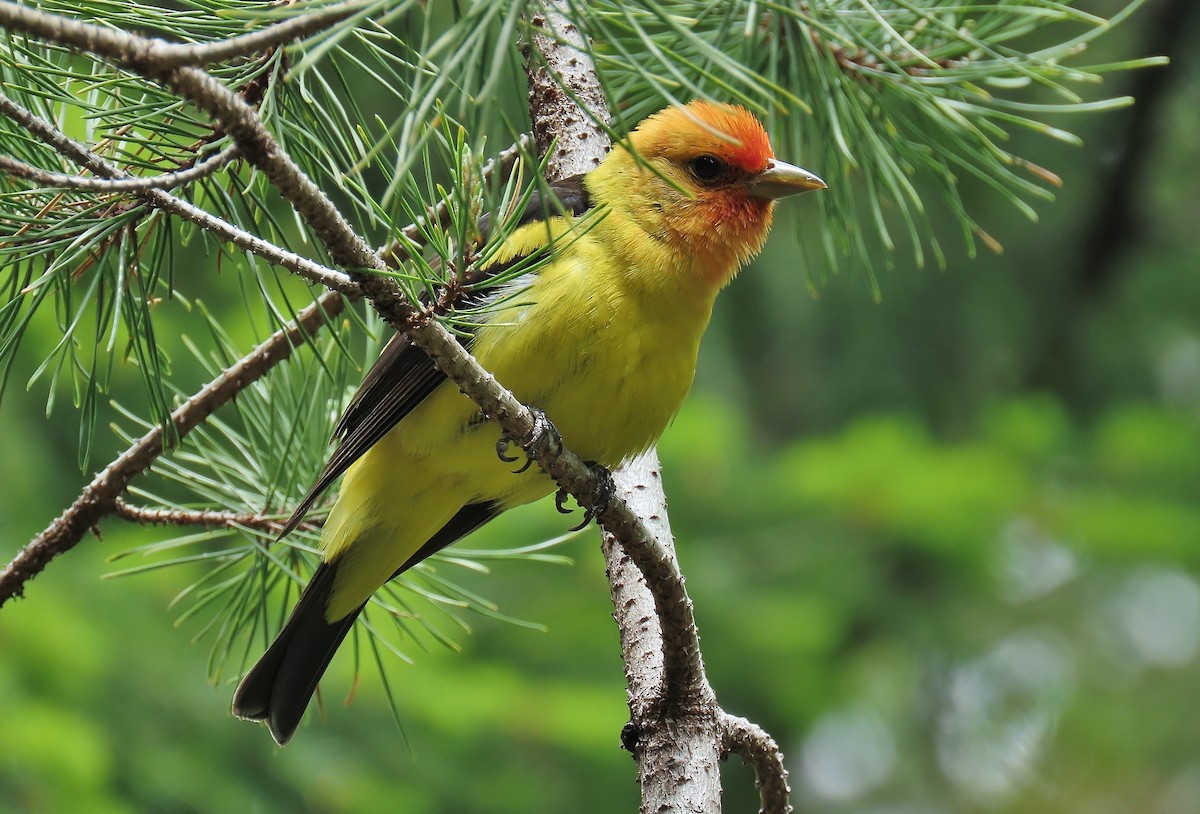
{"points": [[706, 167]]}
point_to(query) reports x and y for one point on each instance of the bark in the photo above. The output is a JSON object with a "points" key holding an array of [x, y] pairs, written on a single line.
{"points": [[677, 732]]}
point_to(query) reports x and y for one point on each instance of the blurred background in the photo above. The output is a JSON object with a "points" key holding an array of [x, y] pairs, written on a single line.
{"points": [[944, 544]]}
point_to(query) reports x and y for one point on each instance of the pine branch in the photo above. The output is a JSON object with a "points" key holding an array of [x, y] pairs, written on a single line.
{"points": [[159, 199], [205, 518], [677, 731], [100, 496], [243, 124], [209, 166]]}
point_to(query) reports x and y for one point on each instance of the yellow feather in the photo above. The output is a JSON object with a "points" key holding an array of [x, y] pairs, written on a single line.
{"points": [[603, 338], [608, 358]]}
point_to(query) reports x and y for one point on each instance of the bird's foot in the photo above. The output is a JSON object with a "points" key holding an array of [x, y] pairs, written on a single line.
{"points": [[543, 438], [603, 488]]}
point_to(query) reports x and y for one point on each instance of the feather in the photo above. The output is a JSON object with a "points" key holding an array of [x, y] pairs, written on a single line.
{"points": [[403, 376]]}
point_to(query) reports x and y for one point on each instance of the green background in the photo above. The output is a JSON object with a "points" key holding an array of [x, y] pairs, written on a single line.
{"points": [[943, 546]]}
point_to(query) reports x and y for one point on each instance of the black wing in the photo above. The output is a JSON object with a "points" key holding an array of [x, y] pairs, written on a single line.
{"points": [[403, 376]]}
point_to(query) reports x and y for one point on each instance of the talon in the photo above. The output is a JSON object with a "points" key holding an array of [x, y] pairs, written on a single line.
{"points": [[502, 445], [560, 500], [602, 493], [605, 487], [544, 437], [587, 518]]}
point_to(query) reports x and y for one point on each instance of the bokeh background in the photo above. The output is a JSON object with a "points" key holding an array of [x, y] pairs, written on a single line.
{"points": [[944, 544]]}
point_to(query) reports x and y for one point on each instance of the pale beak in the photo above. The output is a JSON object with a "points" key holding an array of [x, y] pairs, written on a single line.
{"points": [[780, 179]]}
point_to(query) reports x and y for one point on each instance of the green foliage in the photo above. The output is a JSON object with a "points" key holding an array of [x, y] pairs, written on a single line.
{"points": [[965, 603], [900, 95], [883, 99], [938, 591], [927, 602]]}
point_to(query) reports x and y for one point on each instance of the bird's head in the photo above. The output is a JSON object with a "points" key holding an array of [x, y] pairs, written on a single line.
{"points": [[706, 184]]}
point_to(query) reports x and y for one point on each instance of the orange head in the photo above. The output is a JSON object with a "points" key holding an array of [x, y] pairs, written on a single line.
{"points": [[706, 185]]}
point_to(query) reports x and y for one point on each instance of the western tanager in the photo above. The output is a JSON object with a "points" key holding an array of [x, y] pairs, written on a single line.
{"points": [[603, 338]]}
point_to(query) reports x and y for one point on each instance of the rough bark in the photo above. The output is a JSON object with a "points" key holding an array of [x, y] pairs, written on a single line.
{"points": [[677, 732]]}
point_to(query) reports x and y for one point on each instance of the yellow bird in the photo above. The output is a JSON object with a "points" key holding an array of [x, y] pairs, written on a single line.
{"points": [[603, 338]]}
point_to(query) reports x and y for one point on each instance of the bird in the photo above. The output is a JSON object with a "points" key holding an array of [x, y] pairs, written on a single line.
{"points": [[602, 338]]}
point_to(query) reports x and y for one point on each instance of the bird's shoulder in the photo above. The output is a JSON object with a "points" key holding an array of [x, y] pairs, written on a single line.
{"points": [[547, 214]]}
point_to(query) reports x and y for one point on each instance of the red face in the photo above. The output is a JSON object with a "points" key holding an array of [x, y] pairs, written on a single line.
{"points": [[715, 150]]}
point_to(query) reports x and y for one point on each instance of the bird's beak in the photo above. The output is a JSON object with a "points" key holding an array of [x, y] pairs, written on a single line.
{"points": [[780, 179]]}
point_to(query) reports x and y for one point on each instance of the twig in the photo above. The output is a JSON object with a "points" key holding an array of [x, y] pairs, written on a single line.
{"points": [[273, 36], [169, 180], [138, 51], [100, 496], [759, 749], [81, 155], [242, 122], [207, 518]]}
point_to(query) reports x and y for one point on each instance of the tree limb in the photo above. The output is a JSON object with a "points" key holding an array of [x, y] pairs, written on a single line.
{"points": [[81, 155], [100, 496], [209, 166], [677, 732], [759, 749]]}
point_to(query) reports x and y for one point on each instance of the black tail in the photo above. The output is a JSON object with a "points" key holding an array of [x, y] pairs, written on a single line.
{"points": [[278, 688]]}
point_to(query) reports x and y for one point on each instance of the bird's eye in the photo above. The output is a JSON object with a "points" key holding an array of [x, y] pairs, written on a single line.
{"points": [[706, 167]]}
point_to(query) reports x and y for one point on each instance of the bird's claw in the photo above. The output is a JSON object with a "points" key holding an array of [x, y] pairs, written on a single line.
{"points": [[502, 445], [602, 491], [543, 438], [560, 501]]}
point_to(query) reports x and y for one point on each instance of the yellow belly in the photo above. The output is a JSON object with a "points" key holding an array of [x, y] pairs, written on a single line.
{"points": [[606, 372]]}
